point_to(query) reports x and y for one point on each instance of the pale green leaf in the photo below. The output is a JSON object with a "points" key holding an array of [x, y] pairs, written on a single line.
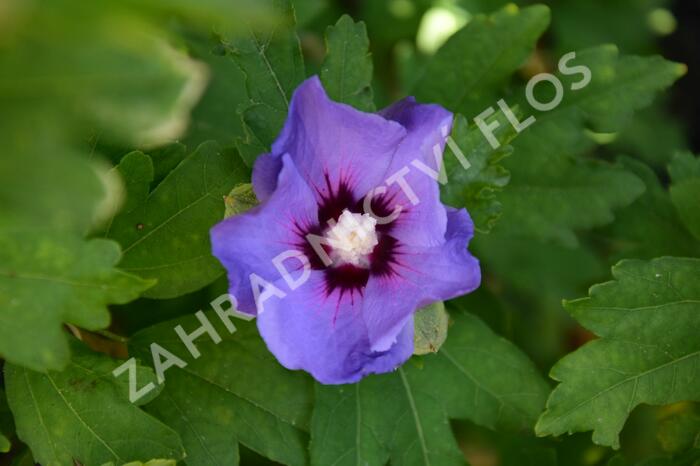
{"points": [[240, 199], [430, 330], [648, 320], [346, 72], [84, 415]]}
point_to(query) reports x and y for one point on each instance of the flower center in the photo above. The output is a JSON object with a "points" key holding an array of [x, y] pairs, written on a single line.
{"points": [[352, 238]]}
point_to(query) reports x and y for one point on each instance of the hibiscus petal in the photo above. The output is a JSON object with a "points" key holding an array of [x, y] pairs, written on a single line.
{"points": [[427, 126], [265, 173], [423, 276], [331, 143], [248, 242], [326, 335]]}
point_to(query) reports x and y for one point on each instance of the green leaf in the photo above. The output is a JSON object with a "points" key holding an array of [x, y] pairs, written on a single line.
{"points": [[136, 169], [165, 159], [52, 73], [243, 395], [618, 87], [233, 16], [84, 415], [527, 279], [685, 190], [476, 185], [346, 72], [47, 279], [539, 268], [633, 86], [580, 24], [274, 66], [136, 172], [484, 377], [64, 193], [653, 135], [430, 331], [166, 237], [307, 11], [650, 227], [5, 444], [215, 117], [552, 194], [648, 321], [476, 375], [471, 70], [354, 424]]}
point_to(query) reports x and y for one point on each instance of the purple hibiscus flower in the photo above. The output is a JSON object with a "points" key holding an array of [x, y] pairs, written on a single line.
{"points": [[350, 237]]}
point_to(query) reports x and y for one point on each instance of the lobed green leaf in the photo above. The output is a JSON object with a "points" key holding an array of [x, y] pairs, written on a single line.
{"points": [[243, 395], [476, 375], [647, 320], [165, 236], [471, 70], [47, 279], [274, 66], [83, 414], [346, 72]]}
